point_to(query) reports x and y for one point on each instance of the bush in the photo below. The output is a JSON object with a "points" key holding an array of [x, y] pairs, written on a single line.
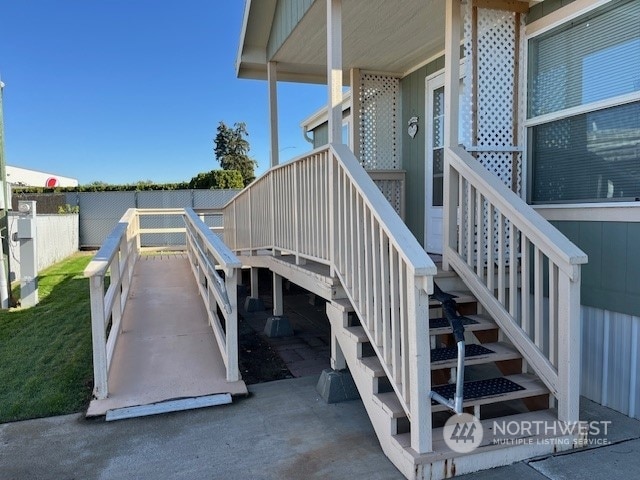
{"points": [[217, 179]]}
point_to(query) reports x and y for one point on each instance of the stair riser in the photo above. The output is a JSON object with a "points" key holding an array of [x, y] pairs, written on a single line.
{"points": [[449, 282]]}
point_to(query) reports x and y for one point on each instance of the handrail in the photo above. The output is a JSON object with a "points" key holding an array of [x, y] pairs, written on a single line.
{"points": [[523, 271], [324, 207], [555, 244], [117, 256], [116, 259], [206, 251]]}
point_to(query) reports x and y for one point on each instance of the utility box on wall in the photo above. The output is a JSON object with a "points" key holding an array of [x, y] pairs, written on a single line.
{"points": [[28, 255]]}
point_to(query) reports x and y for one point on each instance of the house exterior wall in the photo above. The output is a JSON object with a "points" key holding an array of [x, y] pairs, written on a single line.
{"points": [[545, 8], [287, 15], [610, 297], [320, 135], [412, 91], [611, 279], [611, 359]]}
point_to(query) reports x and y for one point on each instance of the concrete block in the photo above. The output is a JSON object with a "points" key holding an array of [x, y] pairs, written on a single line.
{"points": [[278, 327], [336, 386], [252, 304]]}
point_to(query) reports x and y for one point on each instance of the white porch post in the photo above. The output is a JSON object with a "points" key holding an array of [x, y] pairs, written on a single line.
{"points": [[451, 112], [273, 111], [334, 69], [334, 107]]}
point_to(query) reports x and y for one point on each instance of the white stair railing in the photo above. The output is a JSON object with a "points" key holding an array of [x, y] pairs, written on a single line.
{"points": [[524, 272], [325, 208]]}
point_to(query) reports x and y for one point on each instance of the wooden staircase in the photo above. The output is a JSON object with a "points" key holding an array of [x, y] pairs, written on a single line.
{"points": [[324, 209], [498, 387]]}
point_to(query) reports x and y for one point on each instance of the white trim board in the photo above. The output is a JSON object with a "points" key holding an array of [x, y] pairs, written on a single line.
{"points": [[561, 16], [591, 212]]}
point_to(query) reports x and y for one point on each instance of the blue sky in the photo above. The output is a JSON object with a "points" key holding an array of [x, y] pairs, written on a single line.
{"points": [[120, 91]]}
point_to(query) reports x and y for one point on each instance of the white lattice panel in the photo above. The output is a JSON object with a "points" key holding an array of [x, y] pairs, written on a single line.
{"points": [[495, 56], [379, 147], [392, 190], [491, 73]]}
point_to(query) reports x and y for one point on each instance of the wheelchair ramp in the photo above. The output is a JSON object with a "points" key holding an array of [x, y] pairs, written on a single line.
{"points": [[167, 350]]}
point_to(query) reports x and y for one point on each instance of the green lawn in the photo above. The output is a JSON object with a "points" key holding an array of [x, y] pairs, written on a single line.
{"points": [[45, 351]]}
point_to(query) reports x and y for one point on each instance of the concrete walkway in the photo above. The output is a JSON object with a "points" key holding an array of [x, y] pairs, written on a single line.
{"points": [[167, 349], [282, 431]]}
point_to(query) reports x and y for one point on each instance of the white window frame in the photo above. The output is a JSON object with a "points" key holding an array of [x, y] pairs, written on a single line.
{"points": [[539, 27]]}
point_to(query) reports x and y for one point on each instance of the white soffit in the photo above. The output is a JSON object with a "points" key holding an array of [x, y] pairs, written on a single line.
{"points": [[378, 35]]}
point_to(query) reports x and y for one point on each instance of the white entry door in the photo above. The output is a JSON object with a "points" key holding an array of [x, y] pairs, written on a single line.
{"points": [[435, 163], [435, 160]]}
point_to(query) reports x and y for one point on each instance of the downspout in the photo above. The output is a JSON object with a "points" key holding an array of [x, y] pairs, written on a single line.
{"points": [[305, 134]]}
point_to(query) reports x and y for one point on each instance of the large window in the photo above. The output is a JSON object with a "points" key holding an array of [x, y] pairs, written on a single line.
{"points": [[584, 108]]}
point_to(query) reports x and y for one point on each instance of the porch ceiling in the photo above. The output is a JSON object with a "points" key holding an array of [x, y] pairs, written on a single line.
{"points": [[378, 35]]}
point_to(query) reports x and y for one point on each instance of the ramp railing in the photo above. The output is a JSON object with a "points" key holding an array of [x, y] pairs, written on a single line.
{"points": [[110, 273]]}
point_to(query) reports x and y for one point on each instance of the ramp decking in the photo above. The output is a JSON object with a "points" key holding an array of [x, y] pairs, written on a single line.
{"points": [[167, 349]]}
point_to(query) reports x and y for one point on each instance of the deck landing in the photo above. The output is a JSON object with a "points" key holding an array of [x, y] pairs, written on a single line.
{"points": [[167, 349]]}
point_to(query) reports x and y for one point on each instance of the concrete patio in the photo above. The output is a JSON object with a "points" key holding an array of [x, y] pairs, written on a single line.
{"points": [[283, 430]]}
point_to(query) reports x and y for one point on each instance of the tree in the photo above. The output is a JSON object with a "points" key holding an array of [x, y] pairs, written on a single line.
{"points": [[232, 150], [217, 179]]}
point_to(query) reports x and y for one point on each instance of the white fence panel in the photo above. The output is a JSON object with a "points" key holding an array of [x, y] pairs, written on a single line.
{"points": [[57, 237]]}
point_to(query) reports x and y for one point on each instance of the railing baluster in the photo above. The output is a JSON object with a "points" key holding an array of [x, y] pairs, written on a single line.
{"points": [[394, 271], [404, 330], [553, 313], [480, 236], [525, 289], [359, 251], [470, 223], [513, 269], [460, 215], [387, 287], [368, 273], [377, 280], [501, 260], [538, 297], [352, 221], [491, 250]]}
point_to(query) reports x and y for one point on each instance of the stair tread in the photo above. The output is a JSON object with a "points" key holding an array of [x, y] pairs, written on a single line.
{"points": [[358, 333], [344, 304], [532, 386], [498, 351], [482, 323], [374, 365], [460, 297], [390, 403]]}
